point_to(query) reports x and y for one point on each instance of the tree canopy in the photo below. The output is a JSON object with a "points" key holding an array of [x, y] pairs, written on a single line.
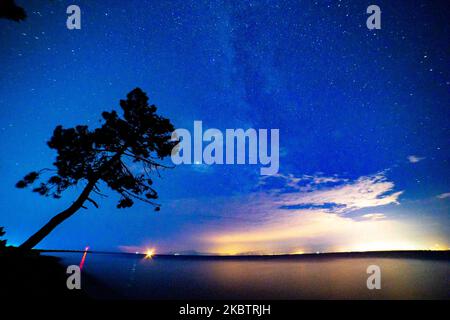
{"points": [[110, 154], [9, 10]]}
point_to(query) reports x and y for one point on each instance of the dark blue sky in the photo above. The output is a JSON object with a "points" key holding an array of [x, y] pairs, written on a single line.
{"points": [[364, 120]]}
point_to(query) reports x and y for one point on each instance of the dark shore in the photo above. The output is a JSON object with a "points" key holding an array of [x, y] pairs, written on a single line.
{"points": [[30, 275]]}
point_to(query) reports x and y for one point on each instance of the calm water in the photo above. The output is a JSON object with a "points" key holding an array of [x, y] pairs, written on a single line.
{"points": [[129, 276]]}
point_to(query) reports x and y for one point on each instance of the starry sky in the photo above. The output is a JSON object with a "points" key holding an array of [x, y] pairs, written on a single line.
{"points": [[363, 115]]}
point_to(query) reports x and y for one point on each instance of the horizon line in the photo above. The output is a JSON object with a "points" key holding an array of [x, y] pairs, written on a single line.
{"points": [[200, 254]]}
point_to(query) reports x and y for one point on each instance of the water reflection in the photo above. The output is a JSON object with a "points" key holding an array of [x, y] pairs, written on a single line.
{"points": [[264, 278]]}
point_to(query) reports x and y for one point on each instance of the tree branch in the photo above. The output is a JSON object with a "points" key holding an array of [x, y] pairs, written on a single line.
{"points": [[152, 163], [138, 198], [93, 202]]}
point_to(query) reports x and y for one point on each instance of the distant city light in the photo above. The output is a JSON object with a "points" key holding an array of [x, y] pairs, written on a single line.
{"points": [[149, 253]]}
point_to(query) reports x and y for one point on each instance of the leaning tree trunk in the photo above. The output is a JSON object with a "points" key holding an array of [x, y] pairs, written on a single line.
{"points": [[60, 217]]}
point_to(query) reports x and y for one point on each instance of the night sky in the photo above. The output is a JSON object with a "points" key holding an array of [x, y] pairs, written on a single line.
{"points": [[364, 121]]}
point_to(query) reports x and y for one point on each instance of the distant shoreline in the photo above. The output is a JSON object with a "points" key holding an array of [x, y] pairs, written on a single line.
{"points": [[422, 254]]}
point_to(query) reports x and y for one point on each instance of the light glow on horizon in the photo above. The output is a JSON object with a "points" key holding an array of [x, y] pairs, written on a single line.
{"points": [[149, 253], [324, 232]]}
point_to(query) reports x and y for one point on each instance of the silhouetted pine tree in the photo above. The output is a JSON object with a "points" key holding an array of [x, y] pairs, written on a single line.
{"points": [[88, 157]]}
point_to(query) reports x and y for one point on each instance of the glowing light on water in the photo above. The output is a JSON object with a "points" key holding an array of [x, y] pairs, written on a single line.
{"points": [[84, 257]]}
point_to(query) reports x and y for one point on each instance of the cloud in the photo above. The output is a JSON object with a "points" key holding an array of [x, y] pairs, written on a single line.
{"points": [[415, 159], [373, 216], [346, 196], [444, 195], [305, 193], [310, 211], [301, 183]]}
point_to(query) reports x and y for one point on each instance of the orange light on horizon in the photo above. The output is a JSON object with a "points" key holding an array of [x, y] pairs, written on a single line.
{"points": [[149, 253]]}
